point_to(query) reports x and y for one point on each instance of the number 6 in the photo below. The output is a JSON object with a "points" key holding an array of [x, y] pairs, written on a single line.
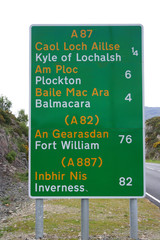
{"points": [[128, 74]]}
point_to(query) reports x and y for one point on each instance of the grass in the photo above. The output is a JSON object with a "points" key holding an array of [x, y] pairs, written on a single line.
{"points": [[8, 229], [107, 218], [152, 161], [22, 176], [5, 200]]}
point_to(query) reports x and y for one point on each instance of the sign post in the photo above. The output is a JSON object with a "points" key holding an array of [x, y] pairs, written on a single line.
{"points": [[39, 218], [133, 219], [84, 219]]}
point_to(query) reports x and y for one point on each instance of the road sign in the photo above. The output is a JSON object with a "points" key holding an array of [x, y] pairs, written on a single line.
{"points": [[86, 111]]}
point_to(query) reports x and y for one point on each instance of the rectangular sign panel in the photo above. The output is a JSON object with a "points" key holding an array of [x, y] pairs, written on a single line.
{"points": [[86, 111]]}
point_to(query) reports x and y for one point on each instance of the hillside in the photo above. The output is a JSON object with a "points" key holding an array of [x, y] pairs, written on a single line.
{"points": [[152, 138], [150, 112], [13, 161]]}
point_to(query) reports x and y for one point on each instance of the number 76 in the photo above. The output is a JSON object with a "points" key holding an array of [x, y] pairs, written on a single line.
{"points": [[127, 139]]}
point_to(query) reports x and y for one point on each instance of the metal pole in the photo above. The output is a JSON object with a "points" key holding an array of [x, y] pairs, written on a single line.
{"points": [[39, 218], [133, 219], [84, 219]]}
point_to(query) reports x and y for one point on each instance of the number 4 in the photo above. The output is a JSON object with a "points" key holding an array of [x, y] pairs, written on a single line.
{"points": [[128, 97]]}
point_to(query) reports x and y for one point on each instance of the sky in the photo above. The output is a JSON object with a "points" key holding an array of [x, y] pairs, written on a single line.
{"points": [[17, 16]]}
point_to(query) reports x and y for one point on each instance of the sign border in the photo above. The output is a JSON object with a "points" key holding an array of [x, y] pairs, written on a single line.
{"points": [[143, 124]]}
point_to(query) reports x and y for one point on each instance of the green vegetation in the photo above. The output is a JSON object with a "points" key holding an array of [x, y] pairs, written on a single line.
{"points": [[11, 156], [24, 128], [8, 229], [153, 138], [108, 218], [5, 104], [5, 117], [152, 161], [21, 129], [5, 200], [21, 147], [16, 130], [22, 176], [22, 117]]}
